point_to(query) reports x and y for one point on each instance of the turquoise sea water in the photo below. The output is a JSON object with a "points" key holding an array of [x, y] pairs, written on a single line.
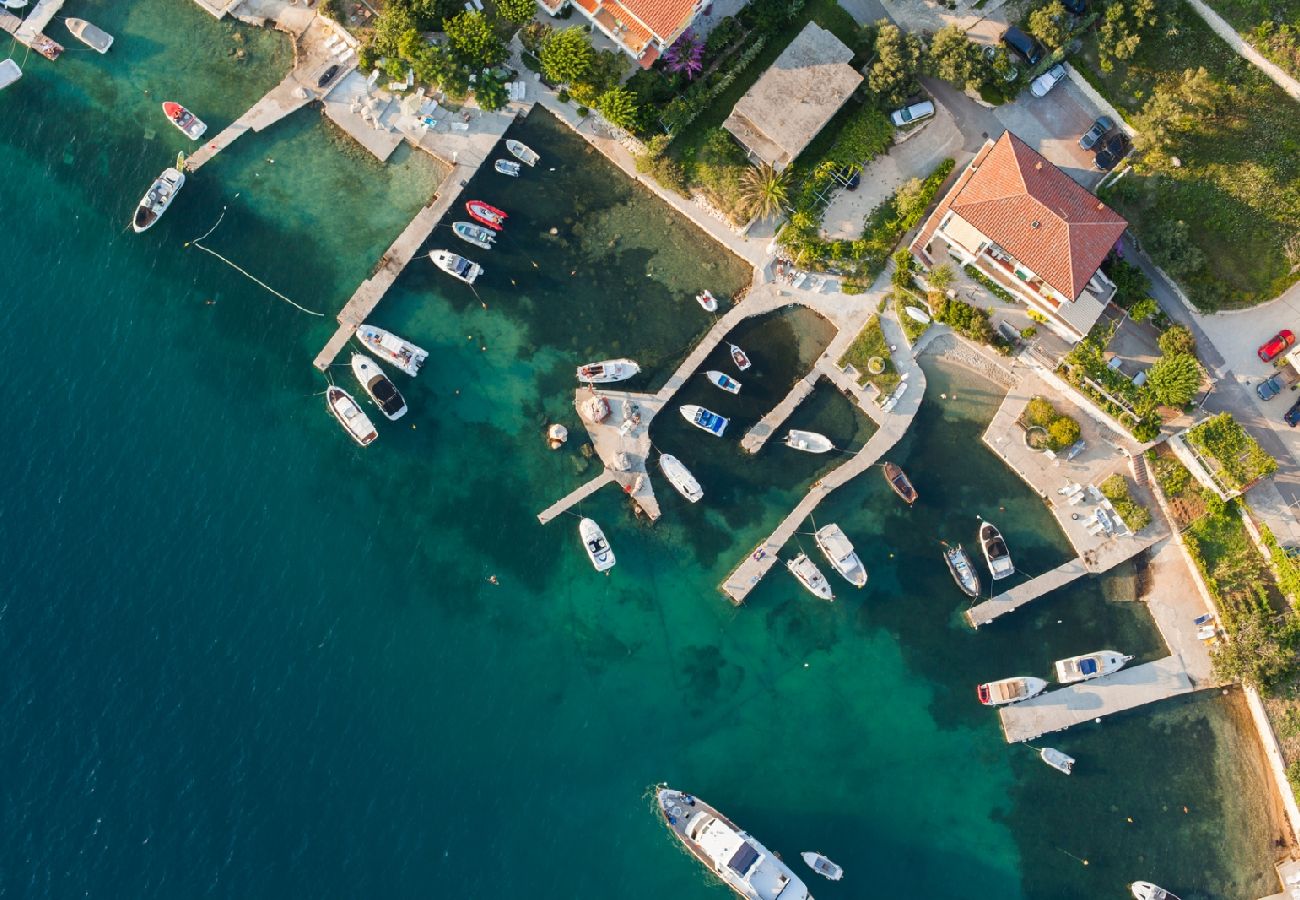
{"points": [[242, 657]]}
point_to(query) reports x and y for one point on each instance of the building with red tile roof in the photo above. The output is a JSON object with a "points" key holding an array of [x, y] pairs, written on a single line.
{"points": [[643, 28], [1032, 229]]}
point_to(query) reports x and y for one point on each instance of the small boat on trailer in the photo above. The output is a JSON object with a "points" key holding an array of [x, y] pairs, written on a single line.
{"points": [[378, 385], [1145, 890], [1090, 666], [598, 549], [456, 265], [726, 382], [839, 552], [507, 167], [607, 370], [157, 199], [392, 349], [704, 419], [739, 358], [822, 866], [899, 481], [707, 300], [963, 572], [486, 213], [808, 441], [811, 577], [680, 477], [1057, 760], [350, 415], [475, 234], [95, 38], [996, 553], [189, 124], [522, 152], [1010, 690]]}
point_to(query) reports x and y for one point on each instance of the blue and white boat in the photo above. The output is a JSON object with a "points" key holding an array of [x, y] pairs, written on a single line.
{"points": [[1090, 666], [700, 417], [724, 381]]}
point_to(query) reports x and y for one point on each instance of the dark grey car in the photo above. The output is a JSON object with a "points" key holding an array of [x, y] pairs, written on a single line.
{"points": [[1026, 47], [1099, 130]]}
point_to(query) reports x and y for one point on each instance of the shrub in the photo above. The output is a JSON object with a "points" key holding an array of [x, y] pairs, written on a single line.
{"points": [[1144, 309], [1177, 339], [1115, 489], [1174, 380], [1241, 461], [1064, 432]]}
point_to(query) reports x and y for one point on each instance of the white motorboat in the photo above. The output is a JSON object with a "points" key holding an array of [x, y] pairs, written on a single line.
{"points": [[839, 552], [1056, 759], [1089, 666], [350, 415], [963, 572], [13, 4], [9, 73], [811, 577], [392, 349], [1010, 690], [995, 552], [916, 314], [680, 477], [522, 152], [704, 419], [822, 866], [608, 370], [1145, 890], [743, 864], [378, 386], [157, 199], [456, 266], [593, 541], [808, 441], [94, 38], [739, 358], [726, 382], [189, 124], [477, 235], [707, 300], [507, 167]]}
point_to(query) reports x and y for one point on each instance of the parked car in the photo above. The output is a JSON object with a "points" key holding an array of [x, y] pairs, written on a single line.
{"points": [[1276, 345], [1099, 130], [1111, 151], [327, 76], [1048, 80], [914, 113], [1269, 388], [1026, 47], [1292, 416]]}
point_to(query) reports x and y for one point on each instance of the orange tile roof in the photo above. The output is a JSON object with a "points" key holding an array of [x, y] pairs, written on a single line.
{"points": [[618, 21], [665, 18]]}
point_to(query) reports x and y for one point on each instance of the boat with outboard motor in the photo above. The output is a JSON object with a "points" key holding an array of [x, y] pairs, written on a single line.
{"points": [[1010, 690], [350, 415], [185, 121], [963, 572], [392, 349], [522, 152], [598, 549], [1090, 666], [378, 385], [456, 265], [899, 481], [811, 577], [1145, 890], [705, 419], [995, 550], [808, 441], [475, 234], [739, 358], [486, 213], [838, 550], [822, 866], [157, 199], [608, 370], [1056, 759], [726, 382], [95, 38], [680, 477], [507, 167], [707, 300], [743, 864]]}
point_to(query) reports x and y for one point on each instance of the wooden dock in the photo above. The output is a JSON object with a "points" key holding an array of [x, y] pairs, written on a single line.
{"points": [[1018, 596], [1088, 700], [575, 496], [763, 429]]}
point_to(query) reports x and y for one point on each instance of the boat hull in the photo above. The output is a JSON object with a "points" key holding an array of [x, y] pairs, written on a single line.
{"points": [[900, 483], [489, 215], [723, 381], [996, 554], [392, 349], [456, 266], [739, 358], [680, 477], [185, 121], [597, 547], [522, 152], [806, 573], [1089, 666], [350, 415], [808, 441], [474, 234], [962, 570], [1006, 691], [157, 200], [707, 301], [607, 371], [839, 552], [381, 390], [705, 420]]}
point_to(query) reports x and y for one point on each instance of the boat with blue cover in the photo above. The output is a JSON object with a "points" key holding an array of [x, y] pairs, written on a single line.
{"points": [[724, 381], [705, 419], [1090, 666]]}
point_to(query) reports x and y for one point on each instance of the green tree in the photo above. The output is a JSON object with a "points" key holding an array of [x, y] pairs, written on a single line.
{"points": [[941, 277], [430, 15], [898, 59], [1144, 309], [1174, 380], [1121, 29], [473, 41], [393, 24], [1261, 652], [1062, 433], [618, 106], [763, 191], [491, 93], [1177, 339], [952, 56], [1048, 24], [516, 11], [1170, 242], [566, 57]]}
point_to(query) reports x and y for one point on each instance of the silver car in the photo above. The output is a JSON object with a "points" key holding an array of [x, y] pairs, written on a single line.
{"points": [[914, 113], [1048, 80]]}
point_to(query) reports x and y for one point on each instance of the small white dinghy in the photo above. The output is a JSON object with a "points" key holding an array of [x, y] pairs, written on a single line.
{"points": [[811, 577], [522, 152], [607, 370], [1090, 666], [822, 866], [838, 550], [507, 167], [707, 300], [95, 38], [1056, 759], [456, 265], [1010, 690], [593, 541], [475, 234], [739, 358], [1145, 890], [808, 441], [727, 383], [680, 477]]}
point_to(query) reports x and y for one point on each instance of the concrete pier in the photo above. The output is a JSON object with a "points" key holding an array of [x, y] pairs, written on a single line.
{"points": [[1018, 596], [576, 496], [763, 429], [30, 31]]}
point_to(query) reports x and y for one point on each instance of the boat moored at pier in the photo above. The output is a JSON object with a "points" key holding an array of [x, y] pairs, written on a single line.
{"points": [[704, 419], [475, 234], [185, 121], [839, 552], [350, 415], [739, 357], [680, 477], [1010, 690], [598, 549], [522, 152], [378, 385], [724, 381], [456, 265], [95, 38], [486, 213], [743, 864], [608, 370], [996, 553], [1145, 890], [1089, 666], [808, 441], [707, 301], [900, 483], [1057, 760], [507, 167], [392, 349], [811, 577], [963, 572], [157, 199]]}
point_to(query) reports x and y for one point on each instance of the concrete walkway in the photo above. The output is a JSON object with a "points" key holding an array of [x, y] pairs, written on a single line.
{"points": [[1245, 50], [763, 429]]}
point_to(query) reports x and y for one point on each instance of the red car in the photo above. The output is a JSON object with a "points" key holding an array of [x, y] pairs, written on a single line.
{"points": [[1277, 345]]}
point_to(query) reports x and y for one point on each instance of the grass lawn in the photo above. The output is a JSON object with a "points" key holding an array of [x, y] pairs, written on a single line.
{"points": [[1273, 26], [866, 346], [1238, 186]]}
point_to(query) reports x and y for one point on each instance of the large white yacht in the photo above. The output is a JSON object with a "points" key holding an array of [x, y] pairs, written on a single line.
{"points": [[747, 867], [838, 550], [680, 477]]}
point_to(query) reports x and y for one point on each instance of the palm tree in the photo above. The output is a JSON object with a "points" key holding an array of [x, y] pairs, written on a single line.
{"points": [[764, 191]]}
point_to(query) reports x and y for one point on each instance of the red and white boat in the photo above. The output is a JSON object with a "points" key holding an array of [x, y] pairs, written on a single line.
{"points": [[486, 213], [189, 124]]}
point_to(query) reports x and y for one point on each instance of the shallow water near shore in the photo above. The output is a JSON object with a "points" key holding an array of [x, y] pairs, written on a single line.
{"points": [[243, 658]]}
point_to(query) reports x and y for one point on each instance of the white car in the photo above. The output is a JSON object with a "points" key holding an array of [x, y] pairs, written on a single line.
{"points": [[1048, 80], [914, 113]]}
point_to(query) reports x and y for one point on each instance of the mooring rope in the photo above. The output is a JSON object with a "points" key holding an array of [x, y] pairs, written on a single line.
{"points": [[246, 274]]}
